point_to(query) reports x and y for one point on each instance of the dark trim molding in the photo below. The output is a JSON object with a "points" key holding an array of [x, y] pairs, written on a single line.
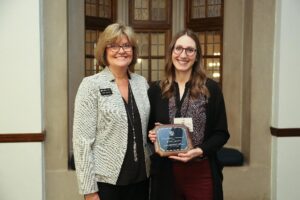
{"points": [[285, 132], [23, 137]]}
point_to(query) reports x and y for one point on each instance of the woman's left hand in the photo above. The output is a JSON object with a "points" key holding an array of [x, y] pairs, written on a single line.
{"points": [[191, 154]]}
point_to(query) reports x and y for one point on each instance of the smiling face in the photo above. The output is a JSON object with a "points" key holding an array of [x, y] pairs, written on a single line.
{"points": [[120, 53], [184, 54]]}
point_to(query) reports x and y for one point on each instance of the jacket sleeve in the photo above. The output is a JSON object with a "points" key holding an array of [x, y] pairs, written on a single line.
{"points": [[84, 130], [216, 129], [152, 105]]}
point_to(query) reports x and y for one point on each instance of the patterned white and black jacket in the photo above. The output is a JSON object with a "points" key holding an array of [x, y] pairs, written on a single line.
{"points": [[100, 128]]}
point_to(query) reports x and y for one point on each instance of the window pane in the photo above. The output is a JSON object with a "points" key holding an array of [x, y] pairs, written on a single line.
{"points": [[213, 38], [210, 41], [105, 9], [161, 65], [213, 2], [90, 9], [217, 37], [214, 8], [213, 68], [217, 50], [141, 67], [202, 37], [157, 69], [198, 3], [91, 37], [198, 9], [152, 47], [157, 44], [98, 8], [101, 12], [198, 12], [202, 42], [90, 66], [143, 43], [90, 41], [203, 49], [154, 75], [213, 43], [158, 10], [210, 49], [141, 10], [210, 37], [108, 8], [214, 11]]}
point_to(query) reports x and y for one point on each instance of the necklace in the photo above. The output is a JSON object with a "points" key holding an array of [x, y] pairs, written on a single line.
{"points": [[131, 120], [179, 103]]}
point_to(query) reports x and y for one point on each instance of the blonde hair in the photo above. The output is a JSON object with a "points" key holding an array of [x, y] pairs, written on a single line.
{"points": [[198, 76], [110, 35]]}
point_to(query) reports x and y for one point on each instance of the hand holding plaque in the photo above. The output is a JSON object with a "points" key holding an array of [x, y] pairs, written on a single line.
{"points": [[172, 139]]}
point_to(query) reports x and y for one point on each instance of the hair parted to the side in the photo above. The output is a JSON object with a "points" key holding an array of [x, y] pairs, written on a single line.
{"points": [[198, 75], [110, 35]]}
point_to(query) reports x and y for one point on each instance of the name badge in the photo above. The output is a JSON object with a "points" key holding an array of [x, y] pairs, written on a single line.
{"points": [[105, 91], [188, 122]]}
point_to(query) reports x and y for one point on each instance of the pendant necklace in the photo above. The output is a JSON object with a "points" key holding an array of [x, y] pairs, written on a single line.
{"points": [[131, 120]]}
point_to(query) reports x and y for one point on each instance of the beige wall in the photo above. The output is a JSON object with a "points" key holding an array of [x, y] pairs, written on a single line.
{"points": [[248, 60], [233, 67], [61, 183]]}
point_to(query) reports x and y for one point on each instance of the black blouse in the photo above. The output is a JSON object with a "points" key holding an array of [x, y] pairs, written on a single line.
{"points": [[132, 171], [215, 136]]}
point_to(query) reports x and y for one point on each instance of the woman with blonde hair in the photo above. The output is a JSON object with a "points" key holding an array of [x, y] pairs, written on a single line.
{"points": [[110, 123]]}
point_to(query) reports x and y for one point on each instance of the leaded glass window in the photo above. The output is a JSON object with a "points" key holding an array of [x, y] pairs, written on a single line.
{"points": [[141, 9], [151, 61], [98, 8], [158, 10], [151, 20], [206, 18], [98, 15], [211, 52], [206, 8], [91, 37]]}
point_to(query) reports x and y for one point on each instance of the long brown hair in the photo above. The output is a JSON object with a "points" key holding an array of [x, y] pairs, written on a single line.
{"points": [[110, 35], [198, 75]]}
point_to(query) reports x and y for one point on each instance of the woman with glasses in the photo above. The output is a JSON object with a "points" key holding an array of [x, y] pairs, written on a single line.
{"points": [[186, 95], [110, 123]]}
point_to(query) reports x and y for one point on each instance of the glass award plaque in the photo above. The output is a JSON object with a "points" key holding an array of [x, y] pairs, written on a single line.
{"points": [[172, 139]]}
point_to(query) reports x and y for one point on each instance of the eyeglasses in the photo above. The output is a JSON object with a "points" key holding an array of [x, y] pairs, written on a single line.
{"points": [[116, 47], [189, 51]]}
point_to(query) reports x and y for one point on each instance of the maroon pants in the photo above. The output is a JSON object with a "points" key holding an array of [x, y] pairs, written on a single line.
{"points": [[193, 180]]}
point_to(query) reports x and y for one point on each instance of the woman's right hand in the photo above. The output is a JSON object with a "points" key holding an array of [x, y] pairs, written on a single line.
{"points": [[92, 196], [152, 134]]}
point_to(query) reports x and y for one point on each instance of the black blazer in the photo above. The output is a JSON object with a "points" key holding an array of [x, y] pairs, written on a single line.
{"points": [[216, 135]]}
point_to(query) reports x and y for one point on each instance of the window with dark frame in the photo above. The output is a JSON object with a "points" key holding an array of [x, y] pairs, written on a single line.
{"points": [[151, 61], [151, 20], [205, 17], [98, 15]]}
